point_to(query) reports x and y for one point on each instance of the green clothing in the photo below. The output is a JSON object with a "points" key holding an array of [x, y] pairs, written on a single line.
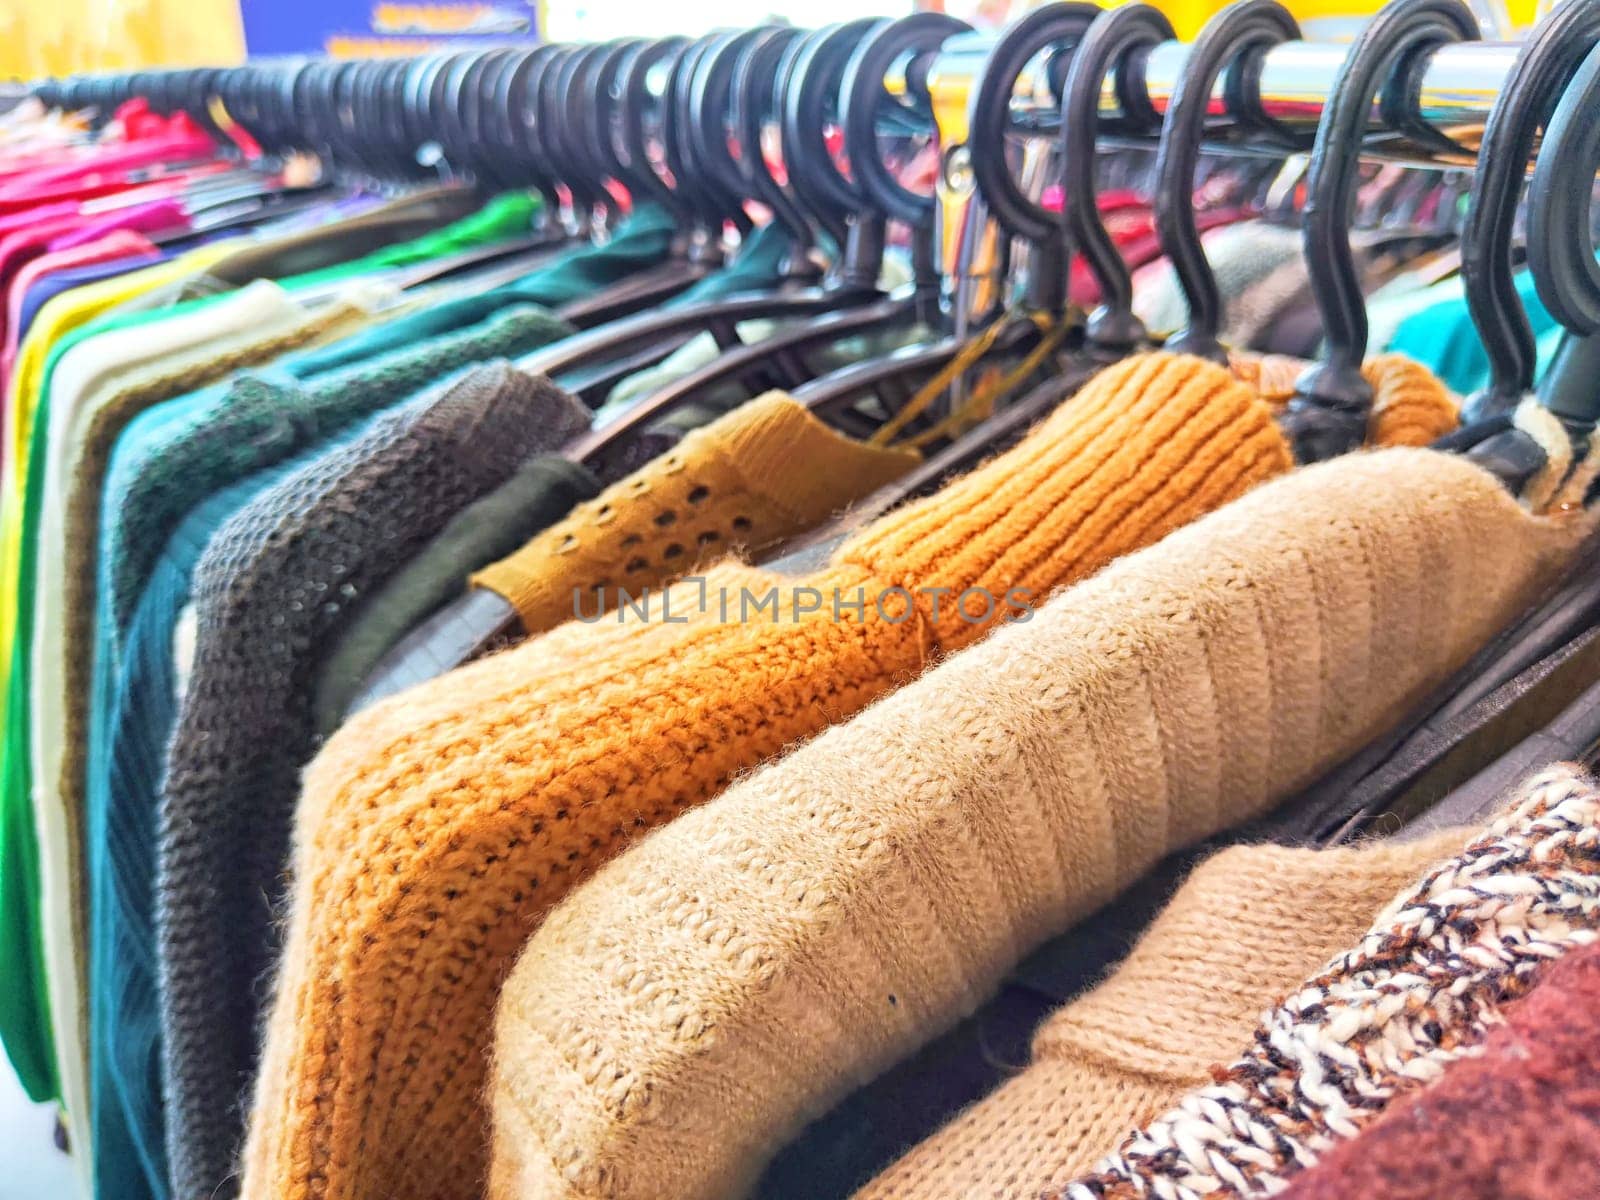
{"points": [[536, 497], [323, 248]]}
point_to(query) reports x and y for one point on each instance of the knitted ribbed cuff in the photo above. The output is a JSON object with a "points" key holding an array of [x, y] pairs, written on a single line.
{"points": [[1148, 445]]}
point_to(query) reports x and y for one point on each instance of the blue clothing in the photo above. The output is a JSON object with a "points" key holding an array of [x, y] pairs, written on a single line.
{"points": [[1443, 339], [125, 1030], [49, 286]]}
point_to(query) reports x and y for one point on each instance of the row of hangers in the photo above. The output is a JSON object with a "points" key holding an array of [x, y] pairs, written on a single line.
{"points": [[681, 124]]}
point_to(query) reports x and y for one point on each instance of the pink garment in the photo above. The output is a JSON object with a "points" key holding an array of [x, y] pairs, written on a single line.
{"points": [[12, 222], [121, 243], [155, 216], [96, 187], [22, 246], [152, 140]]}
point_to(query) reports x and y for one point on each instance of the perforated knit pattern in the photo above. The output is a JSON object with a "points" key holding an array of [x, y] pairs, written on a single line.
{"points": [[251, 425], [1418, 991], [476, 803], [1521, 1121], [1247, 925], [274, 586], [681, 1016], [763, 473]]}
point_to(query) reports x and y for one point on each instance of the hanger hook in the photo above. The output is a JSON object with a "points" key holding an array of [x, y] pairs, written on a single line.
{"points": [[1328, 414], [813, 100], [1545, 63], [989, 117], [1108, 45], [1561, 248], [1242, 30], [865, 99], [758, 86]]}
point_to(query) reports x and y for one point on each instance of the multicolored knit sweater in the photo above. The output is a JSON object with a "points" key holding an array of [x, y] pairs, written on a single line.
{"points": [[1419, 991], [1519, 1122]]}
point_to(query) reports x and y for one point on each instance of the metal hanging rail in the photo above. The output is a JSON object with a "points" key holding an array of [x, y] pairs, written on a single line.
{"points": [[1452, 89]]}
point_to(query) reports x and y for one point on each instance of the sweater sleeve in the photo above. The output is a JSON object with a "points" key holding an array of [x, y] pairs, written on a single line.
{"points": [[675, 1021]]}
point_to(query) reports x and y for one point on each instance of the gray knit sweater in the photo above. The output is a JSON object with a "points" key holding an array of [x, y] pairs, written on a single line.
{"points": [[275, 587]]}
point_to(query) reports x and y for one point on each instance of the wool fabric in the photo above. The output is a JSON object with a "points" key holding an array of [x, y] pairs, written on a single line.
{"points": [[1409, 406], [587, 736], [46, 697], [1419, 991], [680, 1018], [1249, 924], [130, 1155], [1521, 1121], [617, 728], [545, 489], [263, 418], [272, 588], [763, 473]]}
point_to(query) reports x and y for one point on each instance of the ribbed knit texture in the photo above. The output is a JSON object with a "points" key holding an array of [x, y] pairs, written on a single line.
{"points": [[681, 1017], [579, 739], [34, 744], [1519, 1122], [62, 651], [257, 422], [1247, 926], [763, 473], [274, 586], [1419, 991]]}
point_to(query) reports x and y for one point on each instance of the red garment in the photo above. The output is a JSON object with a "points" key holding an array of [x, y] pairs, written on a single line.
{"points": [[22, 246], [149, 141], [155, 216], [1519, 1122], [122, 243]]}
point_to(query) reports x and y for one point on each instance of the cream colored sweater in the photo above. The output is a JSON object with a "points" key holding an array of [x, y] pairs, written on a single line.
{"points": [[1249, 924], [685, 1012]]}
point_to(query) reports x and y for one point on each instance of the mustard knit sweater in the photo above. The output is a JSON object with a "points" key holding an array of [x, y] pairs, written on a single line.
{"points": [[1247, 925], [436, 831], [765, 472], [736, 974]]}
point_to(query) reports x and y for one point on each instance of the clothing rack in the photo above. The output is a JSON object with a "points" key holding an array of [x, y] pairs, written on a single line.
{"points": [[1451, 89]]}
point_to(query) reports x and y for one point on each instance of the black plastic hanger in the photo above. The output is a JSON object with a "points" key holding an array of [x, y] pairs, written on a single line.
{"points": [[780, 360], [481, 620], [1328, 414], [640, 340], [1549, 58], [1561, 250], [1112, 40], [651, 122], [895, 377], [714, 124], [1231, 41], [637, 117], [1111, 43]]}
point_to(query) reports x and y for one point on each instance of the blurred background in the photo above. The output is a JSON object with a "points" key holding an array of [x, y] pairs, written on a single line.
{"points": [[53, 37]]}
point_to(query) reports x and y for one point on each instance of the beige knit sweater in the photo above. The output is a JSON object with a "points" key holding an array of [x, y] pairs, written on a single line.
{"points": [[737, 972], [1249, 924]]}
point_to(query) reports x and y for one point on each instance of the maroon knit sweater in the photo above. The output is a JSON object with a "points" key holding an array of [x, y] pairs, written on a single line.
{"points": [[1521, 1122]]}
